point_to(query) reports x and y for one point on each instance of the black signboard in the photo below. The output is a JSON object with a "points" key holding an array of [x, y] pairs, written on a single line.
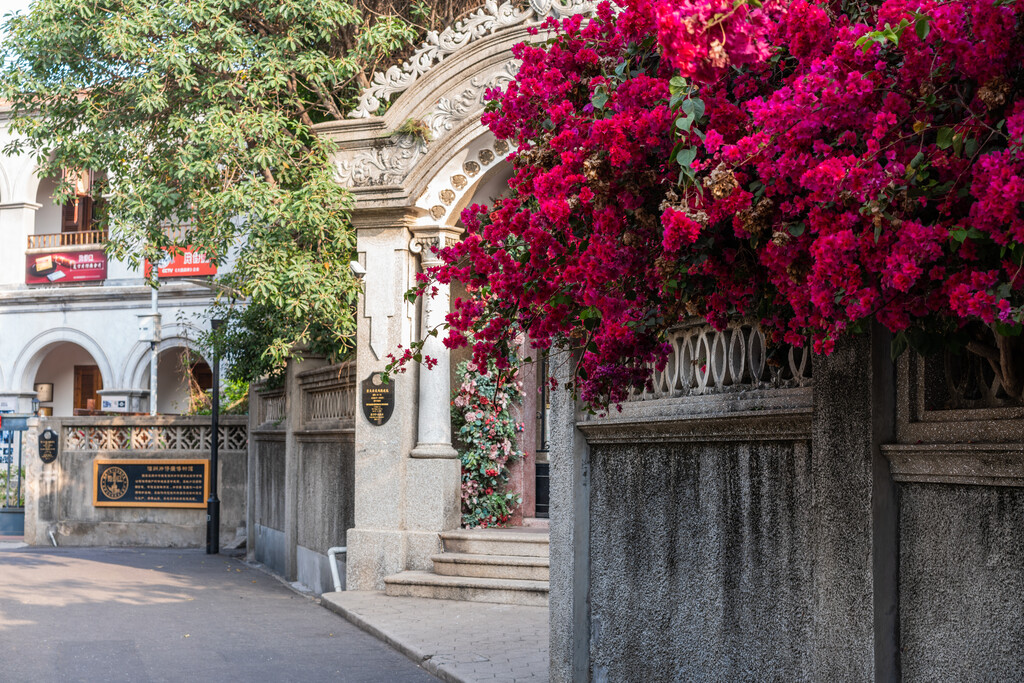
{"points": [[150, 483], [48, 446], [378, 399]]}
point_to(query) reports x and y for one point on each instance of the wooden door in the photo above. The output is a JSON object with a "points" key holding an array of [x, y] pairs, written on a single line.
{"points": [[88, 382]]}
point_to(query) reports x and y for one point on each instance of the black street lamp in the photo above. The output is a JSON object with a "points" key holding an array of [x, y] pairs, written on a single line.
{"points": [[213, 502]]}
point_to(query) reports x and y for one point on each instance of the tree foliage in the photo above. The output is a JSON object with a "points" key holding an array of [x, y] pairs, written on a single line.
{"points": [[201, 113]]}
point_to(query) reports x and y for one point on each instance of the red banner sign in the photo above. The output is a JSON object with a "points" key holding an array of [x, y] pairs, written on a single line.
{"points": [[65, 266], [184, 263]]}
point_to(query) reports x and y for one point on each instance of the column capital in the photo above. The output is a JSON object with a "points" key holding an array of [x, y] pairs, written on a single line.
{"points": [[426, 239]]}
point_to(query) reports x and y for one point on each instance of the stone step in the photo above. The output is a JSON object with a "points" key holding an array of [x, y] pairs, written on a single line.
{"points": [[491, 566], [475, 589], [519, 542]]}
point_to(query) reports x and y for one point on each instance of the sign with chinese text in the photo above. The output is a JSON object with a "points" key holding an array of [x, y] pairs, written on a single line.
{"points": [[183, 263], [378, 399], [151, 483], [61, 267], [48, 446]]}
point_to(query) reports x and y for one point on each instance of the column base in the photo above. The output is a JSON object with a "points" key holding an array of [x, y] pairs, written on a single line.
{"points": [[434, 450]]}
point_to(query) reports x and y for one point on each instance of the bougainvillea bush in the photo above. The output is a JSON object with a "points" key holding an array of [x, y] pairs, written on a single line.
{"points": [[813, 166], [488, 439]]}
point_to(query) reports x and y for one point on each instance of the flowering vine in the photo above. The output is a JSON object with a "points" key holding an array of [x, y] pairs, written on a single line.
{"points": [[488, 435], [813, 166]]}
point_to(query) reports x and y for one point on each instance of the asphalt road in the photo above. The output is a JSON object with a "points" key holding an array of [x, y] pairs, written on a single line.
{"points": [[99, 614]]}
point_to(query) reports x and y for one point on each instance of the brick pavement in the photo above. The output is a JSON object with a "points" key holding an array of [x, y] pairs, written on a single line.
{"points": [[459, 642]]}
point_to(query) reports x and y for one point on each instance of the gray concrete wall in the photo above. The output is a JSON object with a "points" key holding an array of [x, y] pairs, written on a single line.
{"points": [[270, 509], [304, 474], [962, 582], [60, 494], [326, 481], [842, 532], [710, 543]]}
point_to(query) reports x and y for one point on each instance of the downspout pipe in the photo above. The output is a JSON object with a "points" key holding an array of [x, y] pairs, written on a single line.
{"points": [[331, 555]]}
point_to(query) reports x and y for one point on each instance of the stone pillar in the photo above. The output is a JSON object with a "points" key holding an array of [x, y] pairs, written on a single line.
{"points": [[404, 495], [569, 643], [18, 220], [434, 427], [855, 542]]}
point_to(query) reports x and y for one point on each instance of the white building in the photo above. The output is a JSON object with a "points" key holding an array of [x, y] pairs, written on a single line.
{"points": [[69, 316]]}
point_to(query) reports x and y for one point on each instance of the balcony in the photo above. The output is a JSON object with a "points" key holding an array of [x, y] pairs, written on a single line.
{"points": [[59, 240]]}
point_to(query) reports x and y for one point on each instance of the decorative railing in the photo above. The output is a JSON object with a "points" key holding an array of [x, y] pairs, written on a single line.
{"points": [[329, 394], [962, 381], [132, 434], [270, 408], [705, 361], [68, 239]]}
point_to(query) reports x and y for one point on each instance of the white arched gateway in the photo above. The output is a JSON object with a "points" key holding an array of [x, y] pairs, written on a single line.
{"points": [[410, 188]]}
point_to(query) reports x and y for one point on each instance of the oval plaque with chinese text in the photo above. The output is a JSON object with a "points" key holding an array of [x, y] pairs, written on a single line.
{"points": [[378, 399]]}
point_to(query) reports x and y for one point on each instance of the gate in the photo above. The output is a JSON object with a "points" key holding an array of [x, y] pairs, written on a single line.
{"points": [[12, 472]]}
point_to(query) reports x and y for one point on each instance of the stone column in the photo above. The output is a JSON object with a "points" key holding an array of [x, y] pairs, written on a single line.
{"points": [[434, 428], [403, 496], [18, 220]]}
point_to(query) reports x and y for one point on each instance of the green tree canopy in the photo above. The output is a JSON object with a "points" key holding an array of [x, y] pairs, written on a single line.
{"points": [[201, 114]]}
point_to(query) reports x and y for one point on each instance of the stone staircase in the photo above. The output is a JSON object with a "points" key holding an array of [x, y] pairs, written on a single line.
{"points": [[509, 566]]}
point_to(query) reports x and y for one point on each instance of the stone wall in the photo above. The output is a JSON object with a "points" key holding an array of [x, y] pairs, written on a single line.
{"points": [[303, 461], [745, 522], [60, 494]]}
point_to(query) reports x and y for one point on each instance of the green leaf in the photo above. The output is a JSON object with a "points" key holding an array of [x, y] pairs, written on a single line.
{"points": [[899, 345], [922, 26], [685, 157], [944, 140]]}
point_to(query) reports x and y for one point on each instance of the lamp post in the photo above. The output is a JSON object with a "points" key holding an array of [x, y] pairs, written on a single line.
{"points": [[213, 502]]}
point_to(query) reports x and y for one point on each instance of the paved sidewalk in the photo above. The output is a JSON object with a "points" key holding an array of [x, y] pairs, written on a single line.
{"points": [[173, 616], [459, 642]]}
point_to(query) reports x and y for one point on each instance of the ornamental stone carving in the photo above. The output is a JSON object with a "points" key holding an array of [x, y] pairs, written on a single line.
{"points": [[488, 19], [387, 164]]}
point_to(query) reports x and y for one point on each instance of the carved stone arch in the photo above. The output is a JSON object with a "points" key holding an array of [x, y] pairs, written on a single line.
{"points": [[441, 89], [31, 357], [177, 335], [490, 20]]}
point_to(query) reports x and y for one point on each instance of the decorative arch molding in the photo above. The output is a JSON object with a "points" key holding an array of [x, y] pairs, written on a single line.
{"points": [[176, 336], [31, 357], [441, 87], [455, 182], [491, 18]]}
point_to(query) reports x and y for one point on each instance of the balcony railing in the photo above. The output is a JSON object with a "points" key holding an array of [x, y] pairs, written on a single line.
{"points": [[67, 239]]}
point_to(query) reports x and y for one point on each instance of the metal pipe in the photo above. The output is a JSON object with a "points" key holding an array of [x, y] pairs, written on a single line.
{"points": [[153, 352], [331, 552], [213, 502]]}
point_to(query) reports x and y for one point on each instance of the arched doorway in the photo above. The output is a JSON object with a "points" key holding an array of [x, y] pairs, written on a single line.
{"points": [[68, 381], [183, 381]]}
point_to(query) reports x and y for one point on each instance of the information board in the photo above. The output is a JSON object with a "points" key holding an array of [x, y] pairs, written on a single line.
{"points": [[151, 483]]}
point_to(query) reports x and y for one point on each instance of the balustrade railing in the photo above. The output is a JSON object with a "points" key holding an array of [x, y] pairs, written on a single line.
{"points": [[270, 408], [705, 361], [329, 394], [68, 239], [130, 434]]}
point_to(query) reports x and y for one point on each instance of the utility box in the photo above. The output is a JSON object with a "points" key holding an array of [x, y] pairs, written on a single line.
{"points": [[149, 327]]}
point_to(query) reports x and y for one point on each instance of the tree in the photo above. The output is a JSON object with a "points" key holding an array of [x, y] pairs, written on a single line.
{"points": [[201, 114]]}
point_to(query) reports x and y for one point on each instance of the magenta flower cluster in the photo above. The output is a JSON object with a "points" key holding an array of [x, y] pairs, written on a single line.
{"points": [[816, 166]]}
